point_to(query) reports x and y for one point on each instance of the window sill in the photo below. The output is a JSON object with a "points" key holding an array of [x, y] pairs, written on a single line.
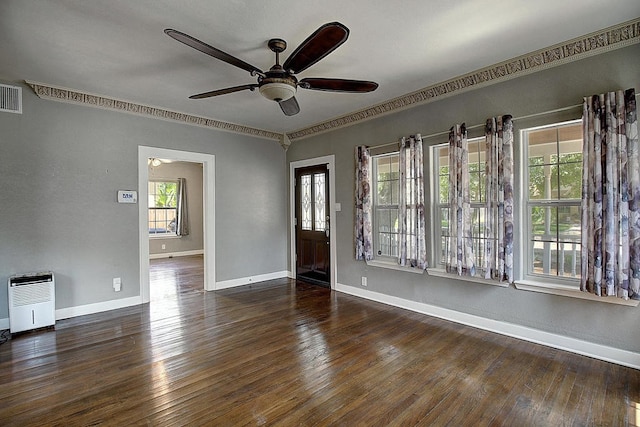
{"points": [[393, 266], [440, 272], [164, 236], [570, 291]]}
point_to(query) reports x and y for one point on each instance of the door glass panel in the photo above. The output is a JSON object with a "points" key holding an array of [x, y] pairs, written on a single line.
{"points": [[305, 202], [319, 188]]}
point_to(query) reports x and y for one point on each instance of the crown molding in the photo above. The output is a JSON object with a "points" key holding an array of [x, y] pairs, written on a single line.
{"points": [[616, 37], [611, 38], [54, 93]]}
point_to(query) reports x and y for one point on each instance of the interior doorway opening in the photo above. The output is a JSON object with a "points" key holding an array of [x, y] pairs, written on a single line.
{"points": [[176, 232], [207, 161]]}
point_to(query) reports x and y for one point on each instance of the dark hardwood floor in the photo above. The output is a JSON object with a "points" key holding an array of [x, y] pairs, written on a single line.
{"points": [[289, 353]]}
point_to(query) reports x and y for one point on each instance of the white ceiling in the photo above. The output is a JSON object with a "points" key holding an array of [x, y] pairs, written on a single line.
{"points": [[117, 48]]}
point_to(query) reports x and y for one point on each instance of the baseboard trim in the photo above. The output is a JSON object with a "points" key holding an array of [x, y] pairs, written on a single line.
{"points": [[225, 284], [174, 254], [81, 310], [585, 348]]}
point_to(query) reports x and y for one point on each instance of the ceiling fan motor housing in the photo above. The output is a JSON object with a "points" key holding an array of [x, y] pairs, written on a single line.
{"points": [[277, 85]]}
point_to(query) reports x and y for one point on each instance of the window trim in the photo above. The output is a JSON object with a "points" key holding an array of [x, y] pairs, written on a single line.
{"points": [[441, 272], [382, 260], [391, 264], [529, 280], [169, 235], [570, 291], [439, 269]]}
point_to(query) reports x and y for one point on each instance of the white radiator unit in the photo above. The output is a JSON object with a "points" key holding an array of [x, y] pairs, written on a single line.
{"points": [[32, 301]]}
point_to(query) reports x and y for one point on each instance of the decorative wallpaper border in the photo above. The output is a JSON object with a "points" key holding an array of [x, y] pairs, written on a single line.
{"points": [[615, 37], [45, 91]]}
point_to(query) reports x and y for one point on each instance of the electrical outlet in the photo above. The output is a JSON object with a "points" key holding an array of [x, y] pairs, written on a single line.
{"points": [[164, 246], [117, 284], [364, 281]]}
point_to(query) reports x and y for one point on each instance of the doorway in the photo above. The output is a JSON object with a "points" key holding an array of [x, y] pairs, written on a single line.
{"points": [[324, 164], [312, 223], [208, 186]]}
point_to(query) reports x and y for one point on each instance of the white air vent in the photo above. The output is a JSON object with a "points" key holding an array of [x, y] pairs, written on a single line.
{"points": [[11, 99]]}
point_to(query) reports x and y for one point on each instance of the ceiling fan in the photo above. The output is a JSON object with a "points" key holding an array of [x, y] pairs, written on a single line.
{"points": [[279, 83]]}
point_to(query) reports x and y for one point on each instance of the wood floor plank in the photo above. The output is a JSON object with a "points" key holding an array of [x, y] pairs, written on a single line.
{"points": [[289, 353]]}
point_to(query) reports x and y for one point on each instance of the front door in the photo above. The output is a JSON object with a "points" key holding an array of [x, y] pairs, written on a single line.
{"points": [[312, 225]]}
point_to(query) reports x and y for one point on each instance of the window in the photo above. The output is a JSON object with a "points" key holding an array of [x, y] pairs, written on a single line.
{"points": [[313, 201], [392, 200], [386, 175], [163, 206], [477, 164], [553, 199]]}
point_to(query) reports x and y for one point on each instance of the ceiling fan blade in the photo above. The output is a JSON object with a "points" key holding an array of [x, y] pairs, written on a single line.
{"points": [[223, 91], [338, 85], [210, 50], [290, 107], [318, 45]]}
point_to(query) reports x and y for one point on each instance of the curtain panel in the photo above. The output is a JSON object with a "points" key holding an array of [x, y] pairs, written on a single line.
{"points": [[610, 196], [182, 220], [460, 257], [497, 232], [411, 234], [363, 229], [498, 256]]}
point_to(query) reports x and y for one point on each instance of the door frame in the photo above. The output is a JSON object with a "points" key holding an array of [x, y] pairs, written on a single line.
{"points": [[330, 161], [208, 216]]}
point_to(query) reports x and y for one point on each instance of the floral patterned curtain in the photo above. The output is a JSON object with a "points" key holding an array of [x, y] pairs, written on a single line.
{"points": [[498, 257], [611, 196], [182, 225], [411, 234], [363, 231], [498, 198], [460, 256]]}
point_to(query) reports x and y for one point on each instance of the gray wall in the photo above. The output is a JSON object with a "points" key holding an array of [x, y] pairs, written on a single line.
{"points": [[61, 166], [192, 172], [541, 92]]}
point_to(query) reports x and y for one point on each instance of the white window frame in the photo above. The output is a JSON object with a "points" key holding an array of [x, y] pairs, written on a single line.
{"points": [[376, 206], [168, 234], [565, 282], [390, 262], [438, 249]]}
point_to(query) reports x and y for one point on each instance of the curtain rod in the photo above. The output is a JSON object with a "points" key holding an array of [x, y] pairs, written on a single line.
{"points": [[529, 116]]}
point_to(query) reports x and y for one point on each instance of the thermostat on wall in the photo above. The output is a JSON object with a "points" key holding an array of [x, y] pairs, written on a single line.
{"points": [[127, 196]]}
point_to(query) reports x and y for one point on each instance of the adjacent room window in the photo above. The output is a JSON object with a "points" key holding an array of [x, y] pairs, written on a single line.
{"points": [[553, 189], [163, 208], [477, 164], [386, 176]]}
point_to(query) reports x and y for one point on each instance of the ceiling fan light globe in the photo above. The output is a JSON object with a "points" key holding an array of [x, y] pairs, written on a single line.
{"points": [[277, 91]]}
